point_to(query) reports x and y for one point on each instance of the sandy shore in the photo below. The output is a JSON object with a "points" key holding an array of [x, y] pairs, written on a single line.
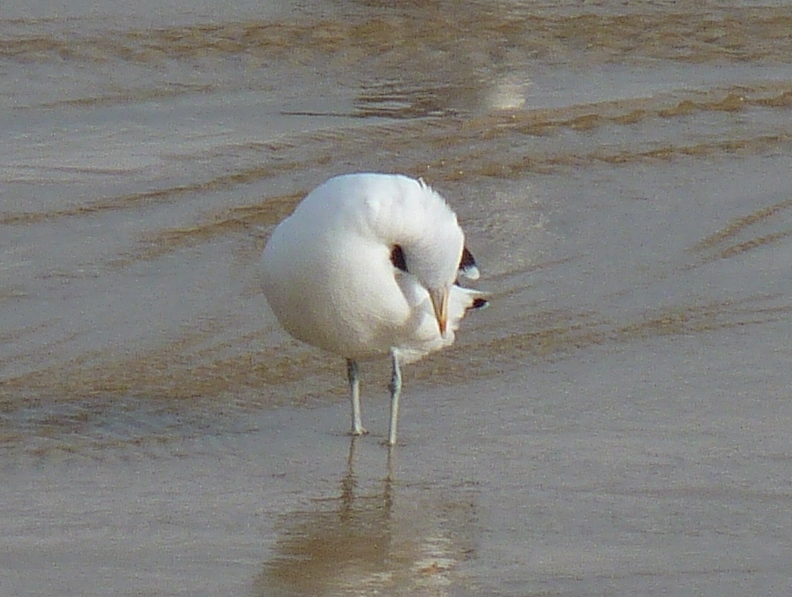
{"points": [[615, 423]]}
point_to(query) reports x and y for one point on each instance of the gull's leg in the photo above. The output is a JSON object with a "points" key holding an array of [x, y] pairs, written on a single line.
{"points": [[354, 393], [395, 390]]}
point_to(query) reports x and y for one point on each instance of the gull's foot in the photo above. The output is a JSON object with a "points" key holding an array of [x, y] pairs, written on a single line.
{"points": [[358, 432]]}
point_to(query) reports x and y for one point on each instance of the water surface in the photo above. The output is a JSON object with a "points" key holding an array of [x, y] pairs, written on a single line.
{"points": [[615, 423]]}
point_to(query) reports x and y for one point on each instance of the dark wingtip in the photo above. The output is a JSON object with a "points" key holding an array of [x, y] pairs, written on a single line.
{"points": [[467, 265], [469, 269], [479, 303]]}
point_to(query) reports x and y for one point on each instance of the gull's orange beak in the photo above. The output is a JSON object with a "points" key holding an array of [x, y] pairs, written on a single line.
{"points": [[439, 298]]}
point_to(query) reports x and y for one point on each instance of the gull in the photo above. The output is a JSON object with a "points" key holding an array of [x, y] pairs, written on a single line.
{"points": [[367, 266]]}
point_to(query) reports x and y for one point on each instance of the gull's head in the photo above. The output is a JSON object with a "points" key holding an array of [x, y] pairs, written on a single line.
{"points": [[434, 261], [425, 239]]}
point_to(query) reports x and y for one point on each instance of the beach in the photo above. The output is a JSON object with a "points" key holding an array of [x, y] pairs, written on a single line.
{"points": [[616, 422]]}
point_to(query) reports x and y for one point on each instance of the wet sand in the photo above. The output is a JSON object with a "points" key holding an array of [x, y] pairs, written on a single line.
{"points": [[556, 480], [615, 423]]}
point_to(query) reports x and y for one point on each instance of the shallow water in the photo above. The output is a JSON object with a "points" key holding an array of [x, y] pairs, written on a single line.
{"points": [[615, 423]]}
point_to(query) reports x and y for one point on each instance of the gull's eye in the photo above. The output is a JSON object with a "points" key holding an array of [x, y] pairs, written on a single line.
{"points": [[397, 258]]}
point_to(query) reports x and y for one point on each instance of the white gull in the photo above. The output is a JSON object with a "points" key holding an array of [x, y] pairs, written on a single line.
{"points": [[367, 266]]}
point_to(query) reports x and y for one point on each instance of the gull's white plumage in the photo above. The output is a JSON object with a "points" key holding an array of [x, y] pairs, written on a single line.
{"points": [[333, 278]]}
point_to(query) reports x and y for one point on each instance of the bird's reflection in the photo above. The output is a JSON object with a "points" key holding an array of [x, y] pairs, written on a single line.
{"points": [[367, 543]]}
